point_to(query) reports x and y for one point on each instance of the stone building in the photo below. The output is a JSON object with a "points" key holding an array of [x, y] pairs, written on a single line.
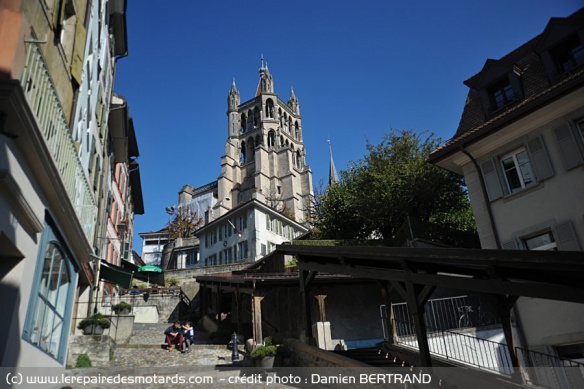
{"points": [[265, 152]]}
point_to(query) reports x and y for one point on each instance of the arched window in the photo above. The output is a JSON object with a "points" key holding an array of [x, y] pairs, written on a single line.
{"points": [[271, 139], [287, 143], [296, 131], [49, 314], [294, 159], [298, 159], [281, 141], [285, 123], [289, 124], [242, 155], [269, 108], [256, 117], [243, 123]]}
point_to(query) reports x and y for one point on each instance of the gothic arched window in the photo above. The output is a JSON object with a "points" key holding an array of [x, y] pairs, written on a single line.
{"points": [[243, 122], [256, 117], [258, 140], [269, 108], [242, 155], [271, 139], [296, 131]]}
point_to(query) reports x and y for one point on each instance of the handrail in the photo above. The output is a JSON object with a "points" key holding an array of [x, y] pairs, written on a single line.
{"points": [[551, 371], [466, 349]]}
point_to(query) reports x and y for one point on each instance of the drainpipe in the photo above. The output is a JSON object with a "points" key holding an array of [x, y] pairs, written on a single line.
{"points": [[485, 195]]}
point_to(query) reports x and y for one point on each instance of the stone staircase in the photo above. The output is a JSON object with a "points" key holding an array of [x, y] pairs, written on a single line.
{"points": [[147, 348]]}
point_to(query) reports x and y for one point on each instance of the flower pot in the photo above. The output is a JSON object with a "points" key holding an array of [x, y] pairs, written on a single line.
{"points": [[93, 329], [124, 311], [266, 362]]}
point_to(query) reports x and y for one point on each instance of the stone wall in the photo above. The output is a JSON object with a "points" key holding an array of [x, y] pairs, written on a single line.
{"points": [[99, 348]]}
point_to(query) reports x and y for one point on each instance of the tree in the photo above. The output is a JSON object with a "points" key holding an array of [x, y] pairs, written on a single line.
{"points": [[183, 222], [393, 181]]}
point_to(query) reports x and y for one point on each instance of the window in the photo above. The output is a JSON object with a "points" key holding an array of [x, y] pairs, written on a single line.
{"points": [[517, 170], [568, 54], [191, 258], [241, 223], [542, 242], [49, 312], [242, 250], [501, 94]]}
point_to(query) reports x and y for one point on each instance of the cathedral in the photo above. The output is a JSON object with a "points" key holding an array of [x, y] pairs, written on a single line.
{"points": [[265, 152], [263, 193]]}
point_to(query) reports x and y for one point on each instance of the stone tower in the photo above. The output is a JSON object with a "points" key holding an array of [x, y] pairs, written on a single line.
{"points": [[264, 153]]}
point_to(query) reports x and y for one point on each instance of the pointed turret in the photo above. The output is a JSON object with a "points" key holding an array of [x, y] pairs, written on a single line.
{"points": [[266, 84], [293, 102], [233, 98], [333, 177]]}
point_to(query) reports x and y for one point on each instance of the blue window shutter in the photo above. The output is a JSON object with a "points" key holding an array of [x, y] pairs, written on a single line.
{"points": [[491, 178], [540, 159], [566, 237], [567, 143]]}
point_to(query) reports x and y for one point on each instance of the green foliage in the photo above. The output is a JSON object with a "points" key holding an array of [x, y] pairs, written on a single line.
{"points": [[97, 319], [83, 361], [121, 306], [261, 352], [393, 181], [172, 281]]}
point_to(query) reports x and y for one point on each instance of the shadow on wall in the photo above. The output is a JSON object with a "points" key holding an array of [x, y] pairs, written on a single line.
{"points": [[9, 329]]}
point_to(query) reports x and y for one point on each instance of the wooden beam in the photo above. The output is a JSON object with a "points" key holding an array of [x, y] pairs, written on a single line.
{"points": [[257, 319], [417, 312], [305, 296], [499, 286], [321, 309]]}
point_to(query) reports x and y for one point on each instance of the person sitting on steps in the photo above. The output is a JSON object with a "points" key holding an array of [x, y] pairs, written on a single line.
{"points": [[189, 336], [174, 335]]}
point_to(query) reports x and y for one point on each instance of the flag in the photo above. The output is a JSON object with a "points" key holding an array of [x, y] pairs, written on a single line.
{"points": [[234, 228]]}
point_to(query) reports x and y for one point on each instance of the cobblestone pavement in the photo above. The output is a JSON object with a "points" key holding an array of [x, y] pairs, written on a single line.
{"points": [[146, 358]]}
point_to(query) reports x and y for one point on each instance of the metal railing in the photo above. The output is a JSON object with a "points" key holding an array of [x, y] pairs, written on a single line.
{"points": [[452, 312], [42, 97], [550, 371], [466, 349]]}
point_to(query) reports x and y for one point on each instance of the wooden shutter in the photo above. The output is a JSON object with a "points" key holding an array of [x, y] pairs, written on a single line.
{"points": [[567, 143], [566, 237], [491, 178], [540, 159]]}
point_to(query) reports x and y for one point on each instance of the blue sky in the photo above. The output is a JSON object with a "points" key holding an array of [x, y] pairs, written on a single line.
{"points": [[358, 68]]}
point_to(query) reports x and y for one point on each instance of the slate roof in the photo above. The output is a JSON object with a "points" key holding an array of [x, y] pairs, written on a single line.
{"points": [[538, 90]]}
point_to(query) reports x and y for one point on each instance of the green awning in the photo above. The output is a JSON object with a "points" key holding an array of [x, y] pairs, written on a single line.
{"points": [[116, 275]]}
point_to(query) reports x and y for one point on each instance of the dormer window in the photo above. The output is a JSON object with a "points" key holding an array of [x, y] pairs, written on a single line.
{"points": [[501, 94], [568, 54]]}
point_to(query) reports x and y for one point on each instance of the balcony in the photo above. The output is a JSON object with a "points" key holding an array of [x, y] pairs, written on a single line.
{"points": [[40, 93]]}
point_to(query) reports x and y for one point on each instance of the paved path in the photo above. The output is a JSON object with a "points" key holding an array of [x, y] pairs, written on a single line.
{"points": [[146, 358]]}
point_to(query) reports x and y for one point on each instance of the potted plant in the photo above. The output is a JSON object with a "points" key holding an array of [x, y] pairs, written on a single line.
{"points": [[264, 354], [122, 308], [94, 325]]}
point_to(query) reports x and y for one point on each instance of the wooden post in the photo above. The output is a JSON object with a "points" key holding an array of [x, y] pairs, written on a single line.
{"points": [[239, 310], [504, 305], [306, 278], [257, 319], [416, 309], [321, 310]]}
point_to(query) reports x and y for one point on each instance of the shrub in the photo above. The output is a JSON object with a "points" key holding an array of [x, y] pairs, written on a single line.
{"points": [[121, 306], [96, 319], [172, 281], [261, 352], [83, 361], [264, 350]]}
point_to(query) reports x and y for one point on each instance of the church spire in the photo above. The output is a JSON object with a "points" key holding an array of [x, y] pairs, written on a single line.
{"points": [[266, 84], [233, 98], [333, 177], [293, 102]]}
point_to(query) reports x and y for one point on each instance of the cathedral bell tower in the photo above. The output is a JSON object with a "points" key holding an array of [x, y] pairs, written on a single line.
{"points": [[265, 157]]}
